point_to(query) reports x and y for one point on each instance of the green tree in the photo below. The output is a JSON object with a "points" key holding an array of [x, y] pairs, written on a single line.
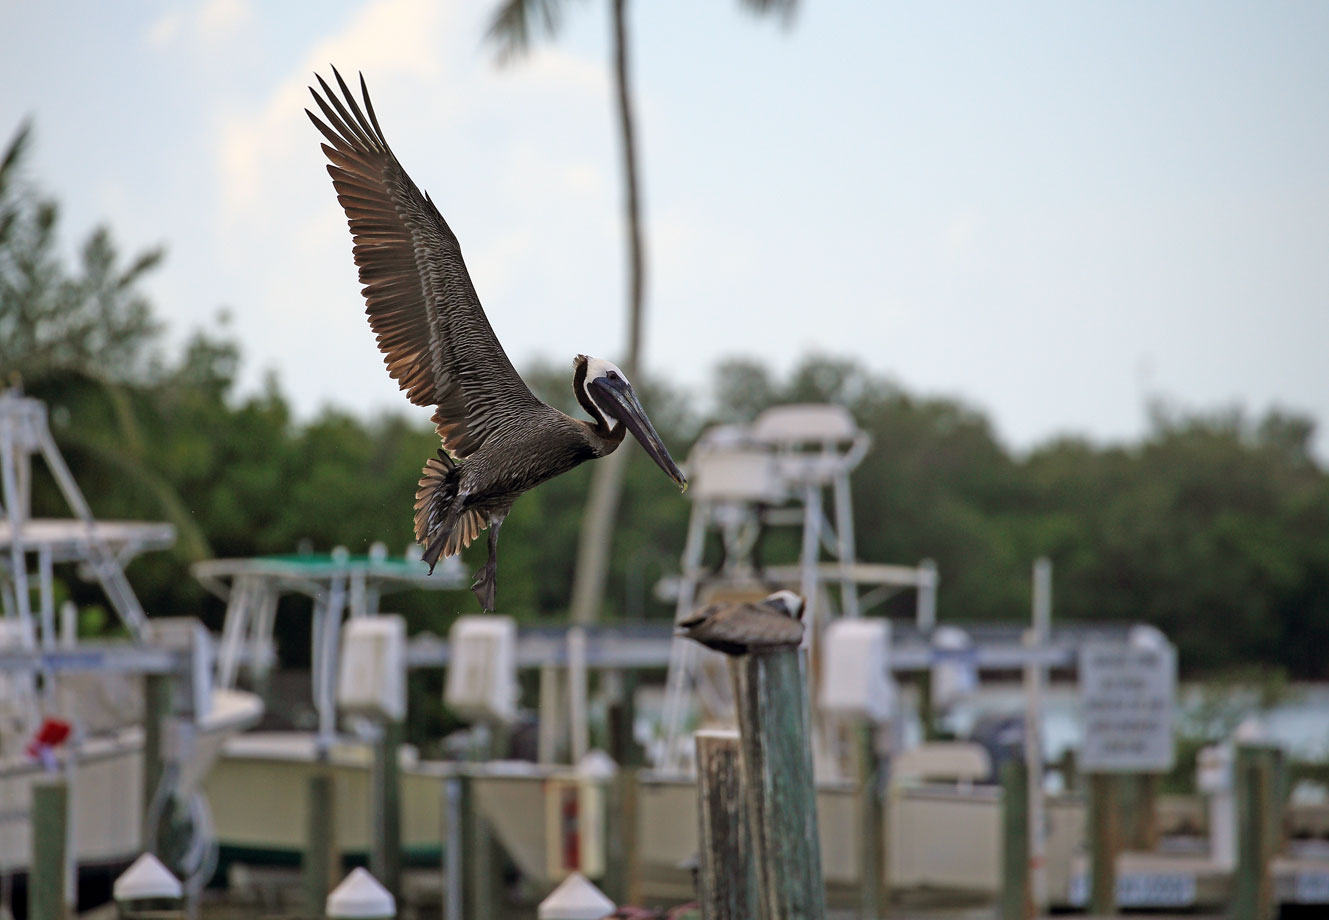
{"points": [[92, 320], [84, 336]]}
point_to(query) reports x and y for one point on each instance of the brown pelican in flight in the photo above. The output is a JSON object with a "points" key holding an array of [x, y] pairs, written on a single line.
{"points": [[737, 628], [498, 439]]}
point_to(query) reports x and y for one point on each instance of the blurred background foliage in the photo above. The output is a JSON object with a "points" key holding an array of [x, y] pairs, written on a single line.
{"points": [[1213, 527]]}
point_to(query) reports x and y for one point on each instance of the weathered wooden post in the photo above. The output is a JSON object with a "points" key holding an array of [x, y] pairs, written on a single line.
{"points": [[477, 851], [46, 878], [621, 861], [1104, 843], [1017, 902], [771, 698], [1276, 793], [620, 876], [385, 850], [321, 857], [1144, 813], [872, 814], [726, 883], [451, 822], [156, 710], [1253, 896]]}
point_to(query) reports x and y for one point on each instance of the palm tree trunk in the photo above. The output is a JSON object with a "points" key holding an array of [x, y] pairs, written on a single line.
{"points": [[597, 526], [631, 195]]}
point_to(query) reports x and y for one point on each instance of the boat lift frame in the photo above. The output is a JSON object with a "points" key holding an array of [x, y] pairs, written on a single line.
{"points": [[338, 584], [104, 547], [776, 473]]}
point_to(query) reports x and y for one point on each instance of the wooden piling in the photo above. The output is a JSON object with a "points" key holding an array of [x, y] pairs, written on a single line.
{"points": [[1275, 797], [621, 856], [776, 763], [385, 848], [322, 860], [478, 891], [874, 887], [1017, 901], [46, 878], [1137, 796], [1104, 843], [452, 848], [619, 879], [156, 710], [725, 880], [1253, 894]]}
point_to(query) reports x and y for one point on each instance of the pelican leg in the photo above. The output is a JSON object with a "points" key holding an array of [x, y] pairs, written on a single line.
{"points": [[485, 585]]}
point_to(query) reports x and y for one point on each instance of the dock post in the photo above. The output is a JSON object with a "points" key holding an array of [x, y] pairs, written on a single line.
{"points": [[1276, 792], [1138, 810], [477, 856], [875, 888], [46, 880], [771, 698], [156, 710], [1253, 888], [321, 857], [1104, 841], [619, 877], [385, 851], [726, 884], [621, 860], [1017, 901], [453, 844]]}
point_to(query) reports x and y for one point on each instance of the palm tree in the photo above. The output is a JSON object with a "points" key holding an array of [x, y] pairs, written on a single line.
{"points": [[513, 29]]}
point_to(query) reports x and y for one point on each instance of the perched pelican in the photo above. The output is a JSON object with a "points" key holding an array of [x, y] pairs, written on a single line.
{"points": [[739, 628], [498, 439]]}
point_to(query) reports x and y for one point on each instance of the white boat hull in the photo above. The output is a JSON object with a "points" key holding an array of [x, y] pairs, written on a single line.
{"points": [[106, 787]]}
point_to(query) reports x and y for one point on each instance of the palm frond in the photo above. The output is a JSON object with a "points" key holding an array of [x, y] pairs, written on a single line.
{"points": [[14, 153], [785, 9], [517, 24]]}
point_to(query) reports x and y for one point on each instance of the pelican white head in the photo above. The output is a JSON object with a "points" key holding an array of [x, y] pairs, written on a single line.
{"points": [[788, 601], [605, 392], [598, 369]]}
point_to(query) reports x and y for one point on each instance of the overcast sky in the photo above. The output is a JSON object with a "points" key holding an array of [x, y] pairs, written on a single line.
{"points": [[1053, 211]]}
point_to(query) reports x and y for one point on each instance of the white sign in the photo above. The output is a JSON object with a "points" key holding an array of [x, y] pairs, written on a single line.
{"points": [[1310, 887], [1126, 697], [1148, 890]]}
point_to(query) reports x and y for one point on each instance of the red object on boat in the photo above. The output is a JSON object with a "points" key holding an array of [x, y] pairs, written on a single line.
{"points": [[52, 733]]}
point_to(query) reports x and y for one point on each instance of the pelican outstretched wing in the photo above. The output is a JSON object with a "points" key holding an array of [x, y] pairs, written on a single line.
{"points": [[436, 340]]}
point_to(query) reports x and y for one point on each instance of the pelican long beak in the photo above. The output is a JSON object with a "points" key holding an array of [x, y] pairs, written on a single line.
{"points": [[622, 402]]}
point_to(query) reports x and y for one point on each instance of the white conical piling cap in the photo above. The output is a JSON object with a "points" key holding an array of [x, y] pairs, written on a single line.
{"points": [[147, 878], [575, 899], [360, 897], [596, 764]]}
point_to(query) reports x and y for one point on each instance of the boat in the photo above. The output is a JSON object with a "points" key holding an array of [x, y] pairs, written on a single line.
{"points": [[75, 710]]}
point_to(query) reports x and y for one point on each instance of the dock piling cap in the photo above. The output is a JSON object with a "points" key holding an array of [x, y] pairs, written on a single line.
{"points": [[576, 899], [360, 897], [147, 879]]}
